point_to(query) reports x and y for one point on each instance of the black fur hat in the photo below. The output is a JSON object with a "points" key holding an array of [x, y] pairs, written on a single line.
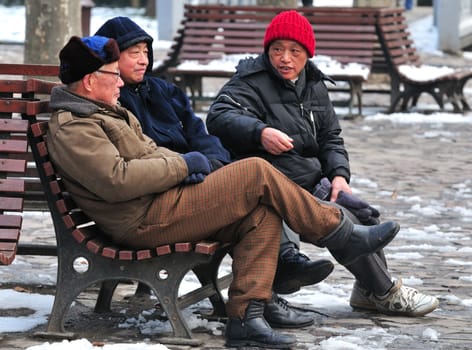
{"points": [[82, 56]]}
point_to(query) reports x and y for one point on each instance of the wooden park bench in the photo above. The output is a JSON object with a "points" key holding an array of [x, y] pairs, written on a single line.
{"points": [[216, 32], [86, 257], [397, 56], [376, 37]]}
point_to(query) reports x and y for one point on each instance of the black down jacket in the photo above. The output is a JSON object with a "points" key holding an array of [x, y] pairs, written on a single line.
{"points": [[257, 97]]}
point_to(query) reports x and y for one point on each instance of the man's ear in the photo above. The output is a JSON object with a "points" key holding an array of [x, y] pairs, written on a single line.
{"points": [[87, 81]]}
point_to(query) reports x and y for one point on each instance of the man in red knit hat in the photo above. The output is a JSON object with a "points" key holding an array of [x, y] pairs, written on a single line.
{"points": [[277, 107]]}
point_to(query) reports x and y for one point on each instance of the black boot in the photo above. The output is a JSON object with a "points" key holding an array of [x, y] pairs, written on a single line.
{"points": [[279, 314], [349, 241], [295, 270], [254, 330]]}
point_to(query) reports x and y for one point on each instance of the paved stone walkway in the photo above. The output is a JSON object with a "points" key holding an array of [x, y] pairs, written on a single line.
{"points": [[418, 174]]}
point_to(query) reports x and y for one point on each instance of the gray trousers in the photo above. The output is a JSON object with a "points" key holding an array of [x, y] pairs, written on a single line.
{"points": [[289, 238], [370, 271]]}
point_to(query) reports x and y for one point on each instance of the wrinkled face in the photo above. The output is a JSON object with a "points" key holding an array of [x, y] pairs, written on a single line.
{"points": [[288, 57], [133, 63], [105, 84]]}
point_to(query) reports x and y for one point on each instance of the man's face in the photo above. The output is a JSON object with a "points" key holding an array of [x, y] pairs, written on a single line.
{"points": [[288, 57], [106, 83], [133, 63]]}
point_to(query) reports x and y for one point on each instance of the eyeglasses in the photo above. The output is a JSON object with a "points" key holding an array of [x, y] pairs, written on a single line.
{"points": [[117, 74]]}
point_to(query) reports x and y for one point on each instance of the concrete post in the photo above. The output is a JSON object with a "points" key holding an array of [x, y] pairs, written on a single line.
{"points": [[87, 6], [169, 15], [448, 21]]}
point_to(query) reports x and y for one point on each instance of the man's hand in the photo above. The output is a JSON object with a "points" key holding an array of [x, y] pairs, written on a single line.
{"points": [[339, 184], [194, 178], [197, 163], [275, 141], [366, 214]]}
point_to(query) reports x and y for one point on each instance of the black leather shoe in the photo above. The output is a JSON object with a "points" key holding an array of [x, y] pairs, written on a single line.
{"points": [[295, 270], [254, 330], [279, 314], [365, 240]]}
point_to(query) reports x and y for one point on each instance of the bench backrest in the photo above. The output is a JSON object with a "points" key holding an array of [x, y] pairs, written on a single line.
{"points": [[23, 95], [13, 142], [397, 45], [211, 31], [19, 182]]}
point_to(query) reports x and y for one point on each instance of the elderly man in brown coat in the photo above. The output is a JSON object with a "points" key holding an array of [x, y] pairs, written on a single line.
{"points": [[143, 195]]}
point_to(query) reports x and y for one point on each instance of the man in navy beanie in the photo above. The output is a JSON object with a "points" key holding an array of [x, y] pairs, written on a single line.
{"points": [[166, 116]]}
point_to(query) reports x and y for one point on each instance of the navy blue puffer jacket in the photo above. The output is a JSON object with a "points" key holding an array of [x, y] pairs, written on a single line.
{"points": [[162, 108]]}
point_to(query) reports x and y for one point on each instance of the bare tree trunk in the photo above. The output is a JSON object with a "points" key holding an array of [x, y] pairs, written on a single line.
{"points": [[281, 3], [151, 8], [49, 24]]}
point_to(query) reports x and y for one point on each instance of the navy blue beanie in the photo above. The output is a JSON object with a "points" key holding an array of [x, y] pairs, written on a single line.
{"points": [[126, 33], [82, 56]]}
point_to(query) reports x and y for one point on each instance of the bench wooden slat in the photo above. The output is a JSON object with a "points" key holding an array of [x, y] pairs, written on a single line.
{"points": [[75, 219], [22, 106], [29, 69], [9, 234], [12, 165], [12, 185], [82, 235], [206, 247], [10, 221], [13, 146], [13, 125], [7, 252], [126, 255], [110, 252], [143, 254], [183, 247], [163, 250], [11, 203]]}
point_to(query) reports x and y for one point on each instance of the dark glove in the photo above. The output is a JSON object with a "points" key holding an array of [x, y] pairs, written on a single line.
{"points": [[197, 163], [215, 164], [323, 189], [366, 214], [194, 178]]}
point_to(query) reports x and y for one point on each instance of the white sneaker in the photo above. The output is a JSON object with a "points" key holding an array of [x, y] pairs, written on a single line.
{"points": [[401, 300], [360, 298]]}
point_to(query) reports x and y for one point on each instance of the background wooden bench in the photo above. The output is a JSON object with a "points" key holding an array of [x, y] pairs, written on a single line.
{"points": [[376, 37], [211, 32], [24, 107], [398, 51]]}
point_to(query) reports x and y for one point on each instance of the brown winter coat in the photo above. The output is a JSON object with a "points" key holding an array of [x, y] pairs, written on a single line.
{"points": [[105, 175]]}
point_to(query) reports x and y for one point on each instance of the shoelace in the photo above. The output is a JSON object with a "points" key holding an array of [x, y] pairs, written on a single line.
{"points": [[407, 297], [294, 256], [282, 302]]}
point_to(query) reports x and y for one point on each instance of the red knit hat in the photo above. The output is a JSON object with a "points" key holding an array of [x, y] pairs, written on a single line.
{"points": [[290, 25]]}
